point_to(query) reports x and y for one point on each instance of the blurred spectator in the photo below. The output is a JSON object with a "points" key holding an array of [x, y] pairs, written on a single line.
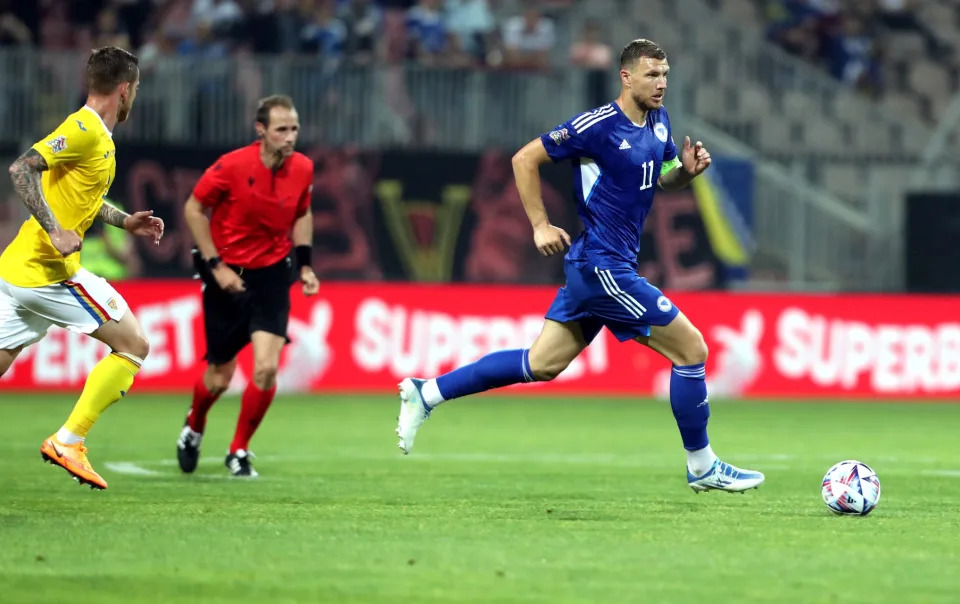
{"points": [[15, 16], [159, 45], [107, 30], [472, 22], [527, 40], [324, 35], [166, 100], [852, 54], [898, 14], [174, 17], [590, 50], [203, 43], [133, 16], [284, 26], [13, 31], [19, 23], [363, 20], [427, 35], [795, 26], [901, 15], [826, 8], [56, 31], [222, 16], [83, 13]]}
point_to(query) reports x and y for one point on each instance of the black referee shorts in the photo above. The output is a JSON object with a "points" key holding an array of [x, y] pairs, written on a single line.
{"points": [[229, 319]]}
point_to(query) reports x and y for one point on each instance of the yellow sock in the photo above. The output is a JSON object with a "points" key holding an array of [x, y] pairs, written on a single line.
{"points": [[107, 383]]}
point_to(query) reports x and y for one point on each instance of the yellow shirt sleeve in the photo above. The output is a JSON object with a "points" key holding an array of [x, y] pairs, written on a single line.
{"points": [[72, 142]]}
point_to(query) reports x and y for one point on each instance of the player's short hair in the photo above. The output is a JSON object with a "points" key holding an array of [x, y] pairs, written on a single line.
{"points": [[640, 49], [108, 67], [266, 104]]}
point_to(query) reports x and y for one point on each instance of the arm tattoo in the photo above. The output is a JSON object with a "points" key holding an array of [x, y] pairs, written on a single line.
{"points": [[112, 215], [25, 174]]}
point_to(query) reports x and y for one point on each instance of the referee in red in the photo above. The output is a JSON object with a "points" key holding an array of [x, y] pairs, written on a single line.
{"points": [[258, 201]]}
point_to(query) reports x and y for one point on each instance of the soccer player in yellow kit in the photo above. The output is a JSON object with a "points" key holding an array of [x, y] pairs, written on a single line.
{"points": [[62, 180]]}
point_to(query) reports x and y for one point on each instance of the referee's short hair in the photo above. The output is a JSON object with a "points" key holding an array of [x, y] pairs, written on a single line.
{"points": [[264, 106], [640, 49]]}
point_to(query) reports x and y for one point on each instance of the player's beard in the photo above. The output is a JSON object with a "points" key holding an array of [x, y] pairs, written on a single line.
{"points": [[644, 105], [123, 113]]}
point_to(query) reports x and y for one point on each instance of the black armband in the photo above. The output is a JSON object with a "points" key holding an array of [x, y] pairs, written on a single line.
{"points": [[303, 255]]}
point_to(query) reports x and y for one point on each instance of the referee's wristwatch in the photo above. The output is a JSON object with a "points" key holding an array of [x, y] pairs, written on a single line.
{"points": [[213, 262]]}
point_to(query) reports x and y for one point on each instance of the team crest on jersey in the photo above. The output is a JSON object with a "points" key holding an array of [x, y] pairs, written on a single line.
{"points": [[558, 136], [57, 144], [112, 303], [661, 131], [664, 304]]}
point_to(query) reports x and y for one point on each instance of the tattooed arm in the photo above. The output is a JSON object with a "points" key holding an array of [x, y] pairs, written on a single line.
{"points": [[112, 215], [25, 173]]}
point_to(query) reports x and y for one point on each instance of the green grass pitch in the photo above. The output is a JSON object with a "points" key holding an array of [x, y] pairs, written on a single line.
{"points": [[503, 500]]}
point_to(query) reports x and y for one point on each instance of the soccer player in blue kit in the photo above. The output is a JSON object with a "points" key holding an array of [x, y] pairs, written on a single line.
{"points": [[619, 152]]}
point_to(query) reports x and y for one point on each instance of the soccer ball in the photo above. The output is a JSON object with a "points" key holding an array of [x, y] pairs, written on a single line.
{"points": [[851, 488]]}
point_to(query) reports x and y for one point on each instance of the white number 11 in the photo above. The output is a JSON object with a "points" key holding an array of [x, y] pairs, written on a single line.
{"points": [[647, 175]]}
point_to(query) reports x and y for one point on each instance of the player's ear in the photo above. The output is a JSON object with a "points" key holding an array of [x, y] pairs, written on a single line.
{"points": [[260, 129]]}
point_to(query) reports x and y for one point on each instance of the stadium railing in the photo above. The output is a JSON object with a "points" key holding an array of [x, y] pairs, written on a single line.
{"points": [[183, 100], [814, 240]]}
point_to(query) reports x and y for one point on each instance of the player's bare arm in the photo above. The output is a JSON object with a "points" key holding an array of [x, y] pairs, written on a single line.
{"points": [[112, 216], [694, 160], [25, 172], [199, 225], [302, 242], [549, 239], [143, 224]]}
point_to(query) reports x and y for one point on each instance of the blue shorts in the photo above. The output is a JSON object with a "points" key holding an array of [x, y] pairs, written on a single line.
{"points": [[615, 298]]}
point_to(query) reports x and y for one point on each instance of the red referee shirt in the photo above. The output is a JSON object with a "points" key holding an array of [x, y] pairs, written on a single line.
{"points": [[254, 208]]}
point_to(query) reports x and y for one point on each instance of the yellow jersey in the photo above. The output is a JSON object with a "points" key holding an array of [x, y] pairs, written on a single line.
{"points": [[81, 158]]}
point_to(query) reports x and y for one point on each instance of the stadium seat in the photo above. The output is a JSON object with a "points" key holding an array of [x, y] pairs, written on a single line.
{"points": [[797, 104], [754, 101], [905, 45], [844, 180], [928, 78], [710, 101], [775, 135], [743, 12]]}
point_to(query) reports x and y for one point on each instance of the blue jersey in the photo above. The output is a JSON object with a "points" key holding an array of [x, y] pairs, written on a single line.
{"points": [[616, 164]]}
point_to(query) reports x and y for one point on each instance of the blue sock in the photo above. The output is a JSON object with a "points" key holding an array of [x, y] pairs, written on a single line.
{"points": [[494, 370], [688, 398]]}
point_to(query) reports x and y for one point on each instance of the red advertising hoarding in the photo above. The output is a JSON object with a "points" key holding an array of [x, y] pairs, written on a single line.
{"points": [[365, 337]]}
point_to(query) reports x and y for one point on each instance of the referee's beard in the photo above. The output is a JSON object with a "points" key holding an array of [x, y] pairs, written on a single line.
{"points": [[275, 155]]}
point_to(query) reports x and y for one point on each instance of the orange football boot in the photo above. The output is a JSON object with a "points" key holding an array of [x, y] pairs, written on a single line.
{"points": [[73, 459]]}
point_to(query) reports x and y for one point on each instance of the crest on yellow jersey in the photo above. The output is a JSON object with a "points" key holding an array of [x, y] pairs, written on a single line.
{"points": [[57, 144]]}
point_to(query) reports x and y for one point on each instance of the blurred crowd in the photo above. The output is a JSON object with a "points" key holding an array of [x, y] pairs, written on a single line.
{"points": [[849, 38], [513, 34]]}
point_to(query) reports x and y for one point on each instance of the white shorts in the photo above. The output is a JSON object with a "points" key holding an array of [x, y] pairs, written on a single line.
{"points": [[81, 304]]}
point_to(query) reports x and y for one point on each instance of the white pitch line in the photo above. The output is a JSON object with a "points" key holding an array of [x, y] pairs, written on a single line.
{"points": [[946, 473], [131, 468], [767, 462]]}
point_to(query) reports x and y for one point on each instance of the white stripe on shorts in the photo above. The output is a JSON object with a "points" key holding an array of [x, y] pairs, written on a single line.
{"points": [[613, 290]]}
